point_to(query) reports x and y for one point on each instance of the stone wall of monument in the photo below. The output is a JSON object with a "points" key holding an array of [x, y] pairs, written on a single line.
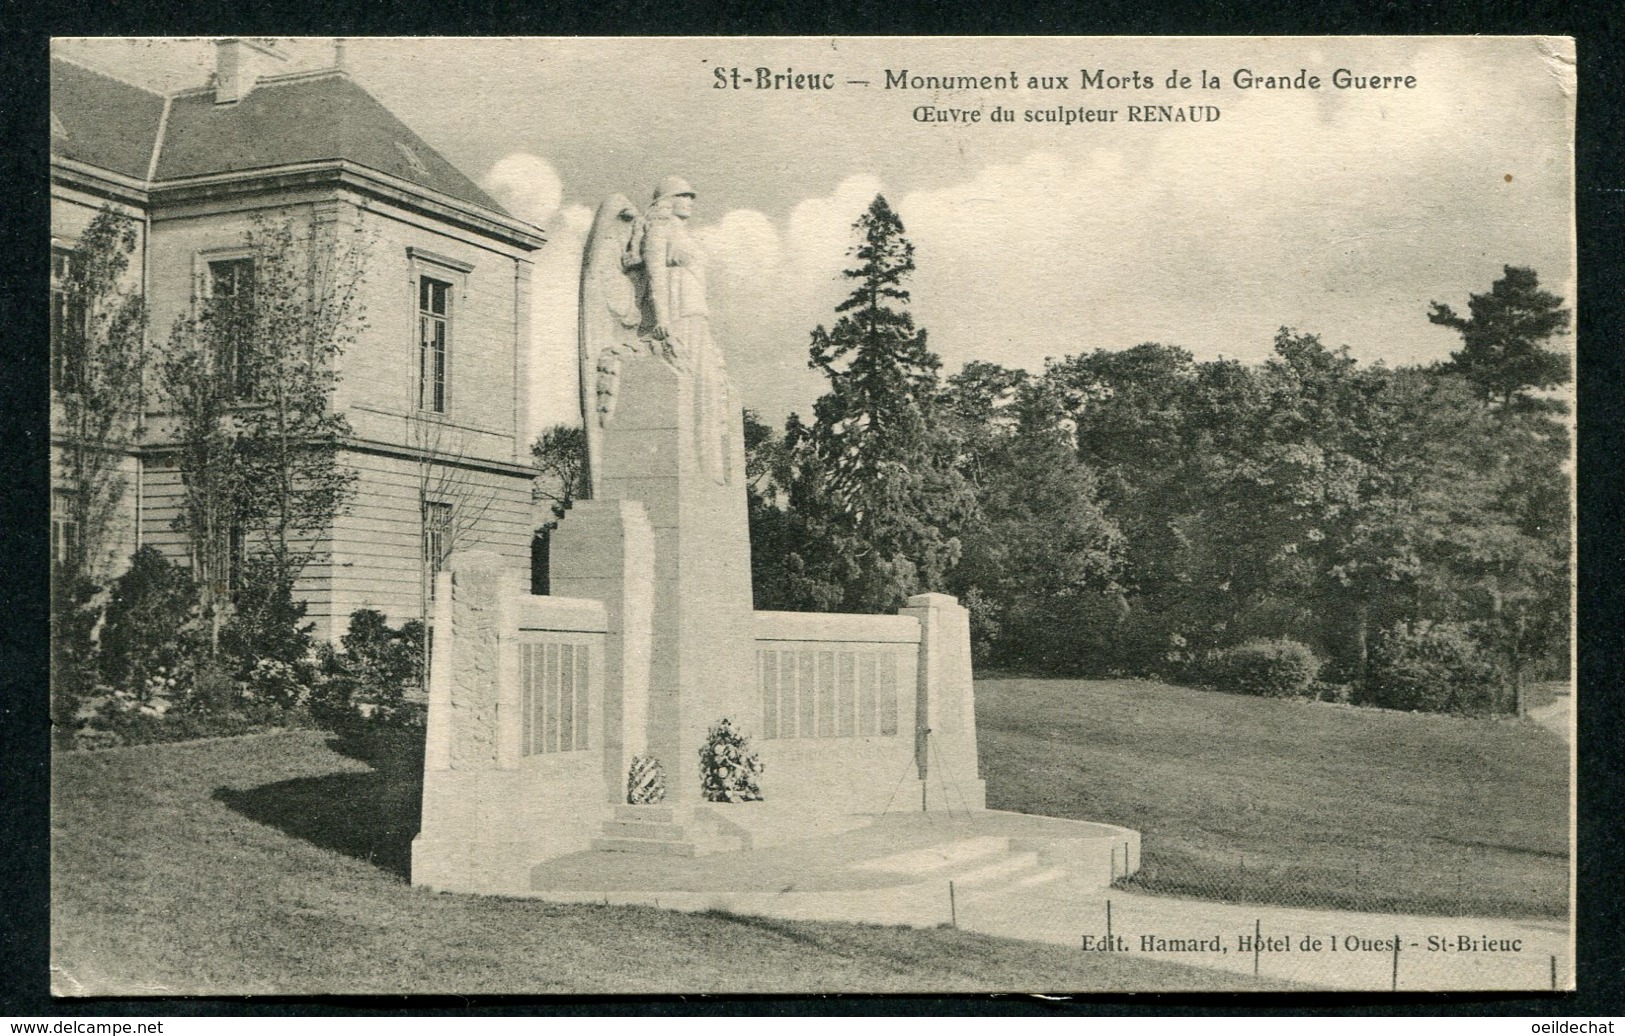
{"points": [[837, 694], [513, 768]]}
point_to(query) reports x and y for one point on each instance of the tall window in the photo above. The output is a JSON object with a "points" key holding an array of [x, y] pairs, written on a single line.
{"points": [[64, 526], [236, 558], [67, 323], [225, 570], [434, 337], [436, 539], [231, 312]]}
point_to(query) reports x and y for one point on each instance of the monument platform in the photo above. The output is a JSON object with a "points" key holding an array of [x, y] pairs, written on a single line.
{"points": [[893, 868]]}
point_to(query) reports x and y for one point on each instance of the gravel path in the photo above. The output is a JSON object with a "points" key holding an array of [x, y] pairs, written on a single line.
{"points": [[1558, 716]]}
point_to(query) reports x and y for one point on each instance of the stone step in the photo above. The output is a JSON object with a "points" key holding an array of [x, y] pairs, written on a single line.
{"points": [[1043, 877], [705, 845], [638, 829], [644, 814], [646, 846], [938, 857], [1008, 867]]}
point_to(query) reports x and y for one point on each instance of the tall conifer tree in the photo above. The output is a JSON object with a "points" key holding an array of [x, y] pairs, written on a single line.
{"points": [[888, 495]]}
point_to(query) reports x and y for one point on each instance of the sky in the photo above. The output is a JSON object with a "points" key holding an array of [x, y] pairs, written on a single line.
{"points": [[1341, 212]]}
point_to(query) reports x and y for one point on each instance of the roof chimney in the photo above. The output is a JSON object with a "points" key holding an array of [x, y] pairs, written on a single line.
{"points": [[238, 65], [340, 59]]}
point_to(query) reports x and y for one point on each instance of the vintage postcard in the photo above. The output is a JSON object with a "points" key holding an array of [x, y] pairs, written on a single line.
{"points": [[812, 515]]}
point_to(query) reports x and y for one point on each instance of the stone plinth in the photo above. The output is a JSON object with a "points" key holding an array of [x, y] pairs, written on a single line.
{"points": [[499, 793], [702, 665]]}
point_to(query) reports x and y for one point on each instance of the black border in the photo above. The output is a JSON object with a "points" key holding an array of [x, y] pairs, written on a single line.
{"points": [[25, 28]]}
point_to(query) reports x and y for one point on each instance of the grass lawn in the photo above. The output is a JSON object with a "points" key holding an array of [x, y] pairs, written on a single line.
{"points": [[275, 864], [1289, 802]]}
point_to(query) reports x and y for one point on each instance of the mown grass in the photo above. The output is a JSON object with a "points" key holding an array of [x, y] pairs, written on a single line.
{"points": [[1291, 802], [273, 864]]}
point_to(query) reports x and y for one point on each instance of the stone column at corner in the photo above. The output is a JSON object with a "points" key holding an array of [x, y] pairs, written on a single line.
{"points": [[945, 719]]}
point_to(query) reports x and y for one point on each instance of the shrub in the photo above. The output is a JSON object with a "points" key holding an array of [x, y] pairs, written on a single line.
{"points": [[207, 689], [645, 782], [266, 622], [193, 701], [1332, 691], [278, 683], [728, 768], [1267, 668], [150, 621], [74, 670], [368, 681], [1431, 667]]}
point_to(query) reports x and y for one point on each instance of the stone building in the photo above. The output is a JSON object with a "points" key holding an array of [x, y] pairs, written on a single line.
{"points": [[434, 384]]}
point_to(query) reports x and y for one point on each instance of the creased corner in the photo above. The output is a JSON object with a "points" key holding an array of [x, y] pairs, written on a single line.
{"points": [[1557, 52]]}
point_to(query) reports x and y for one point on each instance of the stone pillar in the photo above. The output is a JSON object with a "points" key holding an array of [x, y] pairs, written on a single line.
{"points": [[462, 729], [604, 550], [464, 760], [490, 811], [702, 662], [945, 706]]}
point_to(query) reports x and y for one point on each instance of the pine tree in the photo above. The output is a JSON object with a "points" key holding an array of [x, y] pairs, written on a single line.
{"points": [[882, 376], [1502, 351], [880, 485]]}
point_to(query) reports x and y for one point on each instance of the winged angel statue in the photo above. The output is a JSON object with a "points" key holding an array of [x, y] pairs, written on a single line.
{"points": [[643, 296]]}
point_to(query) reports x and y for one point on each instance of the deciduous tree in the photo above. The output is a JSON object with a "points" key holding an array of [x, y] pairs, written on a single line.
{"points": [[250, 375]]}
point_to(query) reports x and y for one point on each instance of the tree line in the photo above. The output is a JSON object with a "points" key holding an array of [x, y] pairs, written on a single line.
{"points": [[1406, 529], [1308, 524]]}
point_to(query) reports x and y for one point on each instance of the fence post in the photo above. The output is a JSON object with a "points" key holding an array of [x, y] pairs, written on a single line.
{"points": [[953, 909], [1108, 922], [1258, 936], [1395, 985]]}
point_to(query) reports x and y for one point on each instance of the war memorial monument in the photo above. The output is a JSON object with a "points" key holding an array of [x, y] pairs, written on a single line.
{"points": [[545, 710]]}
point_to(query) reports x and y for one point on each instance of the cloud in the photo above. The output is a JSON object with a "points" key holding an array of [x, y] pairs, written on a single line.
{"points": [[820, 229], [554, 294], [771, 282], [744, 243], [527, 186]]}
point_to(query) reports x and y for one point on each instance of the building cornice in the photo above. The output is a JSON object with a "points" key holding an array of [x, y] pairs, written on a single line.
{"points": [[97, 180], [337, 172], [379, 448]]}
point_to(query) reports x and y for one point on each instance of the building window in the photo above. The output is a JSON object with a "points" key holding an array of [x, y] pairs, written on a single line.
{"points": [[225, 569], [436, 540], [67, 323], [434, 339], [231, 321], [553, 705], [64, 526], [236, 558]]}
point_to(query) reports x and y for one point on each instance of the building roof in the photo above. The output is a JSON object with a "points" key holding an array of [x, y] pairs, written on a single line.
{"points": [[304, 119], [101, 121], [285, 120]]}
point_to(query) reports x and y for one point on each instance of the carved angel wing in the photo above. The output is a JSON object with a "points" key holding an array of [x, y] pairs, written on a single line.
{"points": [[609, 317]]}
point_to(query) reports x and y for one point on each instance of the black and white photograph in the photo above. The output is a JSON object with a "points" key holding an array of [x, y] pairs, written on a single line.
{"points": [[789, 515]]}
